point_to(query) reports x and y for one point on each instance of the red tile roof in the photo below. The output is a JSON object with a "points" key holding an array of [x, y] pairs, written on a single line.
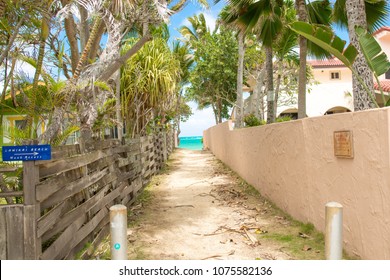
{"points": [[333, 62], [382, 29], [385, 84]]}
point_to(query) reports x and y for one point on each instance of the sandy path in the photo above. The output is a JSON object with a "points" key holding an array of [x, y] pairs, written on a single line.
{"points": [[196, 213]]}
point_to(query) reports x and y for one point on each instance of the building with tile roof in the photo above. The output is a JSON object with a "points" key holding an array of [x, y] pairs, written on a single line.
{"points": [[332, 92]]}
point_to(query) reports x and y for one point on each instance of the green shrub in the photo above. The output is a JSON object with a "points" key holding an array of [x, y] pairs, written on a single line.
{"points": [[283, 119], [252, 120]]}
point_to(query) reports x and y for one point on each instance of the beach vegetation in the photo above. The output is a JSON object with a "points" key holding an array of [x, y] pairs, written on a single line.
{"points": [[251, 120]]}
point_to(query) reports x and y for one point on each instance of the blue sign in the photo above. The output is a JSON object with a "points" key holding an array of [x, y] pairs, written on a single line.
{"points": [[27, 152]]}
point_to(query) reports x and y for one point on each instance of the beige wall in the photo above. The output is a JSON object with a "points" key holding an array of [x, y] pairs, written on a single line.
{"points": [[293, 164], [383, 39], [322, 75]]}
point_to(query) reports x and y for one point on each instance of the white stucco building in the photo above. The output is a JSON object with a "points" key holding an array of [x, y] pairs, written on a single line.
{"points": [[332, 92]]}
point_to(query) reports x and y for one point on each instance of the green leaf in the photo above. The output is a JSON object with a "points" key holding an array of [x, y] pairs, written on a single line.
{"points": [[324, 38], [376, 59]]}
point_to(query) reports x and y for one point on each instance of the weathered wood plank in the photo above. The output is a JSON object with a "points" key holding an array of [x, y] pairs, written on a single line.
{"points": [[66, 206], [73, 188], [82, 233], [30, 231], [8, 169], [61, 152], [127, 176], [3, 233], [11, 194], [71, 255], [127, 190], [47, 169], [15, 230], [52, 252], [101, 145], [103, 229], [54, 184], [50, 218], [124, 149], [107, 199], [124, 162], [69, 217], [30, 179], [137, 184]]}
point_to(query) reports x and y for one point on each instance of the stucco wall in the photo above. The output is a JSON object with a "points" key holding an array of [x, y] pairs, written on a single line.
{"points": [[293, 164]]}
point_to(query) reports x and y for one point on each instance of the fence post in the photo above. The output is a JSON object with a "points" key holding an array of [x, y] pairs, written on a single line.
{"points": [[32, 211], [333, 231], [164, 146], [118, 229], [176, 139]]}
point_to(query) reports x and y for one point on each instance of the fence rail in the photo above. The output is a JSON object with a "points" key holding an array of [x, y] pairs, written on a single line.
{"points": [[66, 199]]}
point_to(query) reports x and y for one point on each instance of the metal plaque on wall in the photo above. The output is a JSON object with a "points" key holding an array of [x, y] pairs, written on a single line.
{"points": [[343, 144]]}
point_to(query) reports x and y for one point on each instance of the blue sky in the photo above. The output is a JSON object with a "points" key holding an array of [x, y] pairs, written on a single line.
{"points": [[204, 119], [201, 120]]}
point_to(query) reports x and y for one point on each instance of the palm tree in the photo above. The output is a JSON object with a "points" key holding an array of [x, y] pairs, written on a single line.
{"points": [[302, 16], [263, 17], [317, 12], [285, 54], [183, 54], [357, 17], [229, 17], [198, 28], [368, 15], [123, 13], [44, 34]]}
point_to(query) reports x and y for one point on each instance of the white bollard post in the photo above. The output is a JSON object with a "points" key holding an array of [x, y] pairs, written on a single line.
{"points": [[118, 229], [333, 231]]}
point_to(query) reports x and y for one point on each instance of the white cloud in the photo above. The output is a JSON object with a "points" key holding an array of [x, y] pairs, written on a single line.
{"points": [[209, 17], [198, 122], [210, 20]]}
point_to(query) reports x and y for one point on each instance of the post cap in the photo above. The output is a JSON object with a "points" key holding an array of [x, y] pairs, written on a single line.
{"points": [[334, 204]]}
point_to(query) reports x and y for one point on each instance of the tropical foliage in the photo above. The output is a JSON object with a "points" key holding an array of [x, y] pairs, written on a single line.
{"points": [[213, 79], [375, 58], [148, 84], [81, 41], [97, 64]]}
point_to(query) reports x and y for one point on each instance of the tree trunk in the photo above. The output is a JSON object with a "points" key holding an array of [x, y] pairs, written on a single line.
{"points": [[54, 127], [240, 73], [70, 30], [219, 109], [302, 16], [259, 110], [83, 27], [270, 85], [117, 63], [88, 46], [45, 30], [96, 43], [277, 88], [15, 33], [215, 113], [118, 105], [356, 14]]}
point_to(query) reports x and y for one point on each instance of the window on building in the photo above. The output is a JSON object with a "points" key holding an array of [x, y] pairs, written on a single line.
{"points": [[21, 124], [335, 75], [387, 75]]}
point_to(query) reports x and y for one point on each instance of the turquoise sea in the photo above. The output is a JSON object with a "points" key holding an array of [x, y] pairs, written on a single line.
{"points": [[191, 143]]}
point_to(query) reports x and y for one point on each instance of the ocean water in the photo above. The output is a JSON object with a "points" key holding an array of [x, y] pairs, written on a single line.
{"points": [[191, 143]]}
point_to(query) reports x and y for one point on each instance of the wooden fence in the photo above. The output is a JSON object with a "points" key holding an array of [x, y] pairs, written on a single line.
{"points": [[67, 199]]}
